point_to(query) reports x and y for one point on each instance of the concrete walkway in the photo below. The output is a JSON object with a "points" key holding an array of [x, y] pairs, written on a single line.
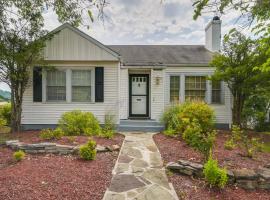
{"points": [[138, 173]]}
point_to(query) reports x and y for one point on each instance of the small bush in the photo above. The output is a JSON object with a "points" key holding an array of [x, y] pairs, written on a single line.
{"points": [[88, 151], [171, 120], [5, 113], [214, 175], [109, 128], [178, 117], [251, 146], [18, 155], [79, 123], [229, 144], [48, 134], [201, 141]]}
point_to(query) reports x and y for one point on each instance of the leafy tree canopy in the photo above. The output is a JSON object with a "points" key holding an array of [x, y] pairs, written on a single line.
{"points": [[235, 66]]}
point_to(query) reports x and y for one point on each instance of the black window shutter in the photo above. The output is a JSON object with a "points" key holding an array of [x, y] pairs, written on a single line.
{"points": [[99, 84], [37, 84]]}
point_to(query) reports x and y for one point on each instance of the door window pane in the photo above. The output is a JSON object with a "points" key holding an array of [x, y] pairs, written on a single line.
{"points": [[81, 85], [56, 85], [174, 89]]}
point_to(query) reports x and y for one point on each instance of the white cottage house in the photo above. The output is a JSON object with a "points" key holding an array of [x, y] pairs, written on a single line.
{"points": [[134, 82]]}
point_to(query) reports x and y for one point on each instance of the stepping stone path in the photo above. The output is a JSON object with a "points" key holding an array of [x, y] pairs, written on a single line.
{"points": [[138, 173]]}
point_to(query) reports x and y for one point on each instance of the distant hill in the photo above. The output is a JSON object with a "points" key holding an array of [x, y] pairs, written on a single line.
{"points": [[4, 95]]}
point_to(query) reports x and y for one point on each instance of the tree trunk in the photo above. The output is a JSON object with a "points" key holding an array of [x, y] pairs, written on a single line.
{"points": [[16, 108], [238, 104]]}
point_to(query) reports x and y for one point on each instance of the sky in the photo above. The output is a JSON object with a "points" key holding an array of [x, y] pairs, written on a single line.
{"points": [[148, 22]]}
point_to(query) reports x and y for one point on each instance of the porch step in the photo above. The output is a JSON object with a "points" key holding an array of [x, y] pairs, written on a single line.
{"points": [[140, 125]]}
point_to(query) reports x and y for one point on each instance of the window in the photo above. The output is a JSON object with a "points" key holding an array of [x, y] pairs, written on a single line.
{"points": [[81, 85], [216, 92], [174, 88], [195, 88], [56, 85]]}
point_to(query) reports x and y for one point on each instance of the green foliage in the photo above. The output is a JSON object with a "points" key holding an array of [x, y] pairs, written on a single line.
{"points": [[229, 144], [5, 113], [196, 112], [18, 155], [79, 123], [214, 175], [201, 141], [178, 117], [235, 66], [109, 128], [251, 146], [171, 120], [255, 110], [49, 134], [195, 121], [88, 151]]}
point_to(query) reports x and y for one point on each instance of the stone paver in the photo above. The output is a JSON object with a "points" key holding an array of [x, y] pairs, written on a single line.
{"points": [[138, 173]]}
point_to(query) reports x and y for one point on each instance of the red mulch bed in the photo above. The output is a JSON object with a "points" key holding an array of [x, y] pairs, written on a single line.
{"points": [[56, 177], [173, 149]]}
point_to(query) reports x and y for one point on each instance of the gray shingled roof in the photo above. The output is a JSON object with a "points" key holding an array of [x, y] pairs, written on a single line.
{"points": [[163, 54]]}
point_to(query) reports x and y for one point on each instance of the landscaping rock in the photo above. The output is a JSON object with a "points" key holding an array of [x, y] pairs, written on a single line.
{"points": [[231, 177], [247, 184], [246, 174], [264, 173], [100, 148]]}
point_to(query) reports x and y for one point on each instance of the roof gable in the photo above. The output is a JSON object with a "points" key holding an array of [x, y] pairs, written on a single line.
{"points": [[69, 43]]}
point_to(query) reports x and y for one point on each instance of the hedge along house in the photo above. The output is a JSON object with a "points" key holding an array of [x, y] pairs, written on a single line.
{"points": [[133, 82]]}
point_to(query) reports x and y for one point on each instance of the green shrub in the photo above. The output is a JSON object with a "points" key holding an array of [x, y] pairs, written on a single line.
{"points": [[178, 117], [214, 175], [199, 140], [3, 122], [79, 123], [229, 144], [88, 151], [5, 113], [195, 121], [109, 128], [251, 146], [198, 112], [171, 120], [18, 155], [48, 134]]}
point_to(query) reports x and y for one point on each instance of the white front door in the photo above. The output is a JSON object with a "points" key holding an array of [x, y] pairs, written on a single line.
{"points": [[139, 95]]}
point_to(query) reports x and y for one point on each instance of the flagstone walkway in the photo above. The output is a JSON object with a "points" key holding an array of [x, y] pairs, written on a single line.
{"points": [[138, 173]]}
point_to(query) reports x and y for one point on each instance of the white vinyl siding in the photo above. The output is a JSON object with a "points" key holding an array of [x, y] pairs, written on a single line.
{"points": [[68, 45], [124, 87], [157, 93], [50, 112]]}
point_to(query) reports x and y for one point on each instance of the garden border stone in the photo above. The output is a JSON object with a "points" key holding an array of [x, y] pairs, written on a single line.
{"points": [[244, 178], [53, 148]]}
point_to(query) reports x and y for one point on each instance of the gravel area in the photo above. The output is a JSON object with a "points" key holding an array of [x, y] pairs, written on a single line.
{"points": [[56, 177], [187, 188]]}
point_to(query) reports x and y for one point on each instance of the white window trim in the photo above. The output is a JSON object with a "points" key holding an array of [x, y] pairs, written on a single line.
{"points": [[68, 85], [208, 95]]}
